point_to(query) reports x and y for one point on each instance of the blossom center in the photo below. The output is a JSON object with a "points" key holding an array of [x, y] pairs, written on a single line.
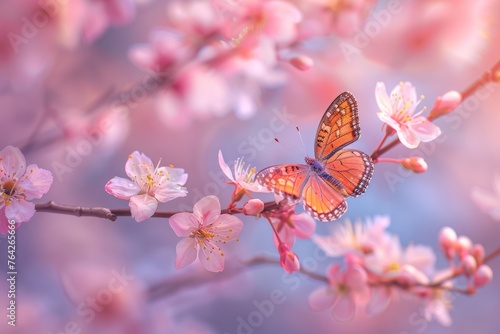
{"points": [[203, 234], [9, 187]]}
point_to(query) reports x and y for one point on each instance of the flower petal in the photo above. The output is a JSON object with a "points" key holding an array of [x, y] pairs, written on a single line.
{"points": [[20, 210], [138, 166], [12, 162], [322, 298], [211, 256], [186, 252], [226, 227], [225, 168], [305, 225], [207, 210], [4, 222], [344, 309], [142, 206], [183, 223], [408, 138], [425, 129], [380, 298], [383, 101], [37, 182], [121, 188]]}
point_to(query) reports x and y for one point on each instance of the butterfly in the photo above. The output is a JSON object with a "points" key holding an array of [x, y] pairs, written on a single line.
{"points": [[334, 173]]}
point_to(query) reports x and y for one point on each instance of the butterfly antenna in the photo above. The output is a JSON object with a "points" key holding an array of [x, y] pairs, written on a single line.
{"points": [[289, 147], [301, 140]]}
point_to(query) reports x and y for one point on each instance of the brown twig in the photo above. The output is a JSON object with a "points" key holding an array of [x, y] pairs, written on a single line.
{"points": [[112, 214]]}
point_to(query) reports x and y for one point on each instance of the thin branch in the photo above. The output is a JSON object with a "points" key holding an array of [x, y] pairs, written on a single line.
{"points": [[181, 282], [112, 214]]}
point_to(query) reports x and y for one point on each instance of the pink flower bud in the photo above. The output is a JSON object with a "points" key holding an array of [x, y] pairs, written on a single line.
{"points": [[288, 260], [445, 104], [302, 63], [464, 245], [469, 265], [483, 275], [447, 237], [253, 207], [478, 253], [414, 164]]}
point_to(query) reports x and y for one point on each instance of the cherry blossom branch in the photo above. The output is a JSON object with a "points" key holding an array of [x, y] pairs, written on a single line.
{"points": [[181, 282], [491, 75], [113, 214]]}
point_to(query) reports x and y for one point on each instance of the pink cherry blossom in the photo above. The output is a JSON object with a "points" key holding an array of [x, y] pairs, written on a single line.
{"points": [[19, 184], [203, 231], [289, 261], [289, 225], [487, 200], [398, 112], [346, 292], [147, 186], [354, 238], [243, 178]]}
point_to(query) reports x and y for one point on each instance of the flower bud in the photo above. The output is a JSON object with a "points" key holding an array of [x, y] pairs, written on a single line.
{"points": [[302, 62], [483, 275], [253, 207], [464, 245], [469, 265], [288, 260], [478, 253], [414, 164], [445, 104], [447, 240]]}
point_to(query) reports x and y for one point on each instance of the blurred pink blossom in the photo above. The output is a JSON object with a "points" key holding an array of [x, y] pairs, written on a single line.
{"points": [[397, 111], [197, 18], [111, 300], [487, 200], [18, 186], [346, 292], [166, 49], [346, 17], [275, 20], [429, 33], [290, 225], [91, 18], [202, 230], [355, 237], [147, 185]]}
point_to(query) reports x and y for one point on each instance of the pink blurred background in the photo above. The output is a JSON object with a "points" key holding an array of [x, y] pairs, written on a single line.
{"points": [[49, 96]]}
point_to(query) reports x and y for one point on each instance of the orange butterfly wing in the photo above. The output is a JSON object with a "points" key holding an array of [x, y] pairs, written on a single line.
{"points": [[353, 168], [285, 180], [321, 201], [339, 126]]}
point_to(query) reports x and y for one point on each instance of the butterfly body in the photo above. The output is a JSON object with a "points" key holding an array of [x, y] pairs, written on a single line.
{"points": [[334, 173]]}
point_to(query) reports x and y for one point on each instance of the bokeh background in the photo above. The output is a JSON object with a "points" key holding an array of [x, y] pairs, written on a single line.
{"points": [[65, 78]]}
